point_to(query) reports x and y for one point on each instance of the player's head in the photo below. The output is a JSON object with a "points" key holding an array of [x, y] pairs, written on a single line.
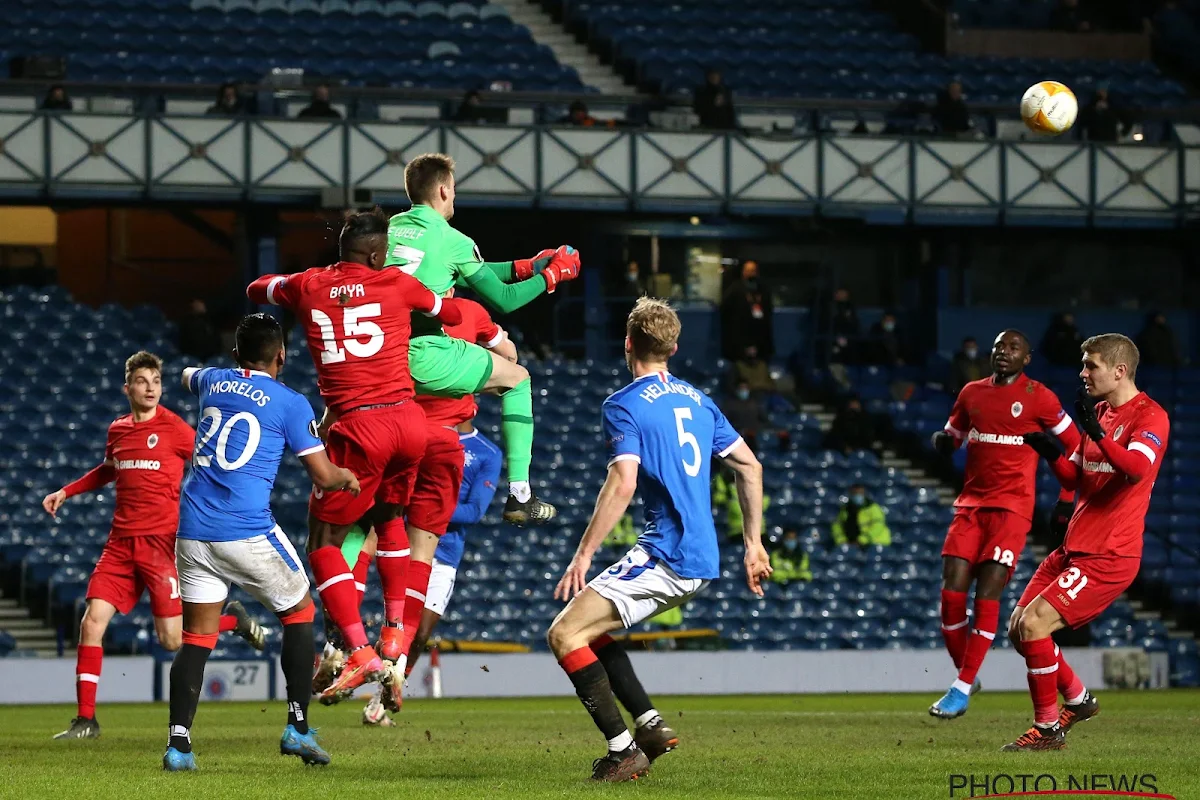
{"points": [[143, 380], [363, 239], [1110, 361], [651, 332], [258, 344], [1010, 353], [429, 180]]}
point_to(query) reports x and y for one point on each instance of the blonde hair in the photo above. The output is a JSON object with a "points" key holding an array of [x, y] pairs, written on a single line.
{"points": [[142, 360], [425, 173], [1114, 348], [653, 328]]}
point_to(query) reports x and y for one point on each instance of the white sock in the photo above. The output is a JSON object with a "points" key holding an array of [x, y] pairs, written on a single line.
{"points": [[1074, 701], [962, 686], [520, 490], [646, 719], [619, 743]]}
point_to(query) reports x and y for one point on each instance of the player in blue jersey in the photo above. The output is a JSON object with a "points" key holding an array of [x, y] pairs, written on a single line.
{"points": [[227, 533], [669, 430], [481, 475]]}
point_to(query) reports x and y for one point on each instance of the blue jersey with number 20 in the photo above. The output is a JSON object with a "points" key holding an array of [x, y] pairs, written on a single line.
{"points": [[247, 418], [672, 430]]}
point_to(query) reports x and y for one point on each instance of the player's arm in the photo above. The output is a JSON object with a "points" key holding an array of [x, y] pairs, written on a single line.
{"points": [[273, 290], [482, 489], [417, 297], [96, 478], [1067, 469], [491, 336], [1135, 462], [300, 434], [948, 439], [1058, 423], [747, 478]]}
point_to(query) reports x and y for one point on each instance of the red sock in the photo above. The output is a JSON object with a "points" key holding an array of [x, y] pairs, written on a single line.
{"points": [[228, 623], [954, 625], [1069, 685], [361, 568], [335, 585], [88, 660], [1042, 665], [414, 603], [391, 559], [987, 617]]}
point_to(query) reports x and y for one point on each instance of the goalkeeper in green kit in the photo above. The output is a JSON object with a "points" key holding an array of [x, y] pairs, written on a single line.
{"points": [[422, 243]]}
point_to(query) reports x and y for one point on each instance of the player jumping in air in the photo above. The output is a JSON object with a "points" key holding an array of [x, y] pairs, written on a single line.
{"points": [[671, 430], [145, 454], [422, 243], [995, 510], [227, 533], [357, 319], [1114, 468]]}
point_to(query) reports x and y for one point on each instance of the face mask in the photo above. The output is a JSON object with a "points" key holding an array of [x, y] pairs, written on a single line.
{"points": [[858, 499], [791, 544], [743, 394], [889, 326], [971, 352]]}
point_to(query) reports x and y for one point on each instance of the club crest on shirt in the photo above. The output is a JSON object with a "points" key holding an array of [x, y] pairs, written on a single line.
{"points": [[1017, 408], [152, 440], [468, 458], [1117, 433]]}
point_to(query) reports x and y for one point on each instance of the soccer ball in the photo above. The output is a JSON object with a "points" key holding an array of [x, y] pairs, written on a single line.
{"points": [[1049, 108]]}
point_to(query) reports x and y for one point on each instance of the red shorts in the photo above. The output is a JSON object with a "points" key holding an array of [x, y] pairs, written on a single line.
{"points": [[1080, 586], [382, 446], [130, 564], [980, 535], [435, 493]]}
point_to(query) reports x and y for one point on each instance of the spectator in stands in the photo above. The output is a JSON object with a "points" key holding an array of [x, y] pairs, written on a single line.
{"points": [[861, 520], [789, 561], [198, 336], [469, 109], [843, 327], [634, 285], [1100, 120], [951, 113], [852, 429], [229, 102], [318, 107], [713, 103], [754, 372], [745, 413], [967, 365], [56, 99], [1060, 344], [1157, 344], [579, 116], [883, 347], [1068, 16], [748, 315]]}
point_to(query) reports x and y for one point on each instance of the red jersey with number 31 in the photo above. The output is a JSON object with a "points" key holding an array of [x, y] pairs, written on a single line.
{"points": [[1110, 514], [357, 322], [149, 458], [992, 418], [478, 328]]}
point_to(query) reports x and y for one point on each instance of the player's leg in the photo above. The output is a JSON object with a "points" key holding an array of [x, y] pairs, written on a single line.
{"points": [[1039, 620], [154, 567], [437, 597], [956, 584], [651, 732], [990, 579]]}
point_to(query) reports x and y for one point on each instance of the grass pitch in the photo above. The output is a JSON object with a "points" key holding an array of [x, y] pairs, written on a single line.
{"points": [[851, 746]]}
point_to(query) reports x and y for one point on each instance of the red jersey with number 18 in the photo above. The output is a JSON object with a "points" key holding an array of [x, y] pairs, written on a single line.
{"points": [[357, 322], [478, 328], [991, 418], [1110, 515]]}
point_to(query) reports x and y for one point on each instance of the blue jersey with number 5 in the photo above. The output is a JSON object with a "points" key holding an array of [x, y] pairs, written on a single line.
{"points": [[247, 418], [672, 430]]}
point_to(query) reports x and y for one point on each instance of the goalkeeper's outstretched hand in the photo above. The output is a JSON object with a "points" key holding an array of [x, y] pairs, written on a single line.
{"points": [[526, 268], [563, 266]]}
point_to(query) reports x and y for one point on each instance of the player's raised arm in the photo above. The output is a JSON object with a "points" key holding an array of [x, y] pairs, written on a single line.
{"points": [[419, 298], [947, 440], [273, 290], [1146, 441], [483, 489], [508, 297]]}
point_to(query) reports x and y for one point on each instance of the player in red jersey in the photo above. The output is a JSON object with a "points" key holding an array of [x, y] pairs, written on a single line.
{"points": [[994, 512], [145, 454], [1114, 469], [356, 317]]}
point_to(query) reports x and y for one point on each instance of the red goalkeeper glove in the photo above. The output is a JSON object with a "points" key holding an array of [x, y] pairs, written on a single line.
{"points": [[564, 266], [526, 268]]}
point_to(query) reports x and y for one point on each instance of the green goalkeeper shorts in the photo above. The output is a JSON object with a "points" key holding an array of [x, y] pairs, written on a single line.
{"points": [[447, 367]]}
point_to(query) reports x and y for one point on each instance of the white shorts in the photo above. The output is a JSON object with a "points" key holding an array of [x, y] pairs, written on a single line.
{"points": [[641, 586], [265, 566], [441, 586]]}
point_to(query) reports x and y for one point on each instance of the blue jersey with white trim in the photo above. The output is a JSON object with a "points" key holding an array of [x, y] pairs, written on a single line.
{"points": [[672, 430], [247, 418], [481, 475]]}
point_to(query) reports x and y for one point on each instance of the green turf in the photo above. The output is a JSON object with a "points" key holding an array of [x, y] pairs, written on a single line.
{"points": [[853, 746]]}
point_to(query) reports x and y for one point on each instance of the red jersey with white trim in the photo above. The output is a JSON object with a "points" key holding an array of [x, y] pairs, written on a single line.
{"points": [[991, 418], [357, 322], [477, 327], [149, 458], [1110, 514]]}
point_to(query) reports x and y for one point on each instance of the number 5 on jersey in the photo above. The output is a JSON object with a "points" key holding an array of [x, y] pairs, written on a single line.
{"points": [[353, 330], [687, 439]]}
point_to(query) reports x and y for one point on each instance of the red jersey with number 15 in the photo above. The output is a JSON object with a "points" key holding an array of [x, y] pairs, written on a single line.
{"points": [[149, 458], [478, 328], [1110, 515], [357, 322], [991, 419]]}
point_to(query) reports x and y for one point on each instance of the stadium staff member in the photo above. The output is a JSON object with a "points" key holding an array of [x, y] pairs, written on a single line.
{"points": [[861, 520]]}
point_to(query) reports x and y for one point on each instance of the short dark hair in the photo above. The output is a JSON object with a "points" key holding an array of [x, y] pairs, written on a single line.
{"points": [[142, 360], [1024, 339], [425, 173], [358, 226], [259, 337]]}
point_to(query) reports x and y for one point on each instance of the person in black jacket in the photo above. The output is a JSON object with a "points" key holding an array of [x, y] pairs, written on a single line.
{"points": [[1060, 344], [713, 103], [319, 108], [1157, 344], [852, 429], [1101, 120], [951, 113]]}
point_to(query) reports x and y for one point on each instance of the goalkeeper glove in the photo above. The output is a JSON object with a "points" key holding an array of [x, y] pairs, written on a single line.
{"points": [[1045, 444], [526, 268], [1085, 412], [564, 266], [944, 443]]}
